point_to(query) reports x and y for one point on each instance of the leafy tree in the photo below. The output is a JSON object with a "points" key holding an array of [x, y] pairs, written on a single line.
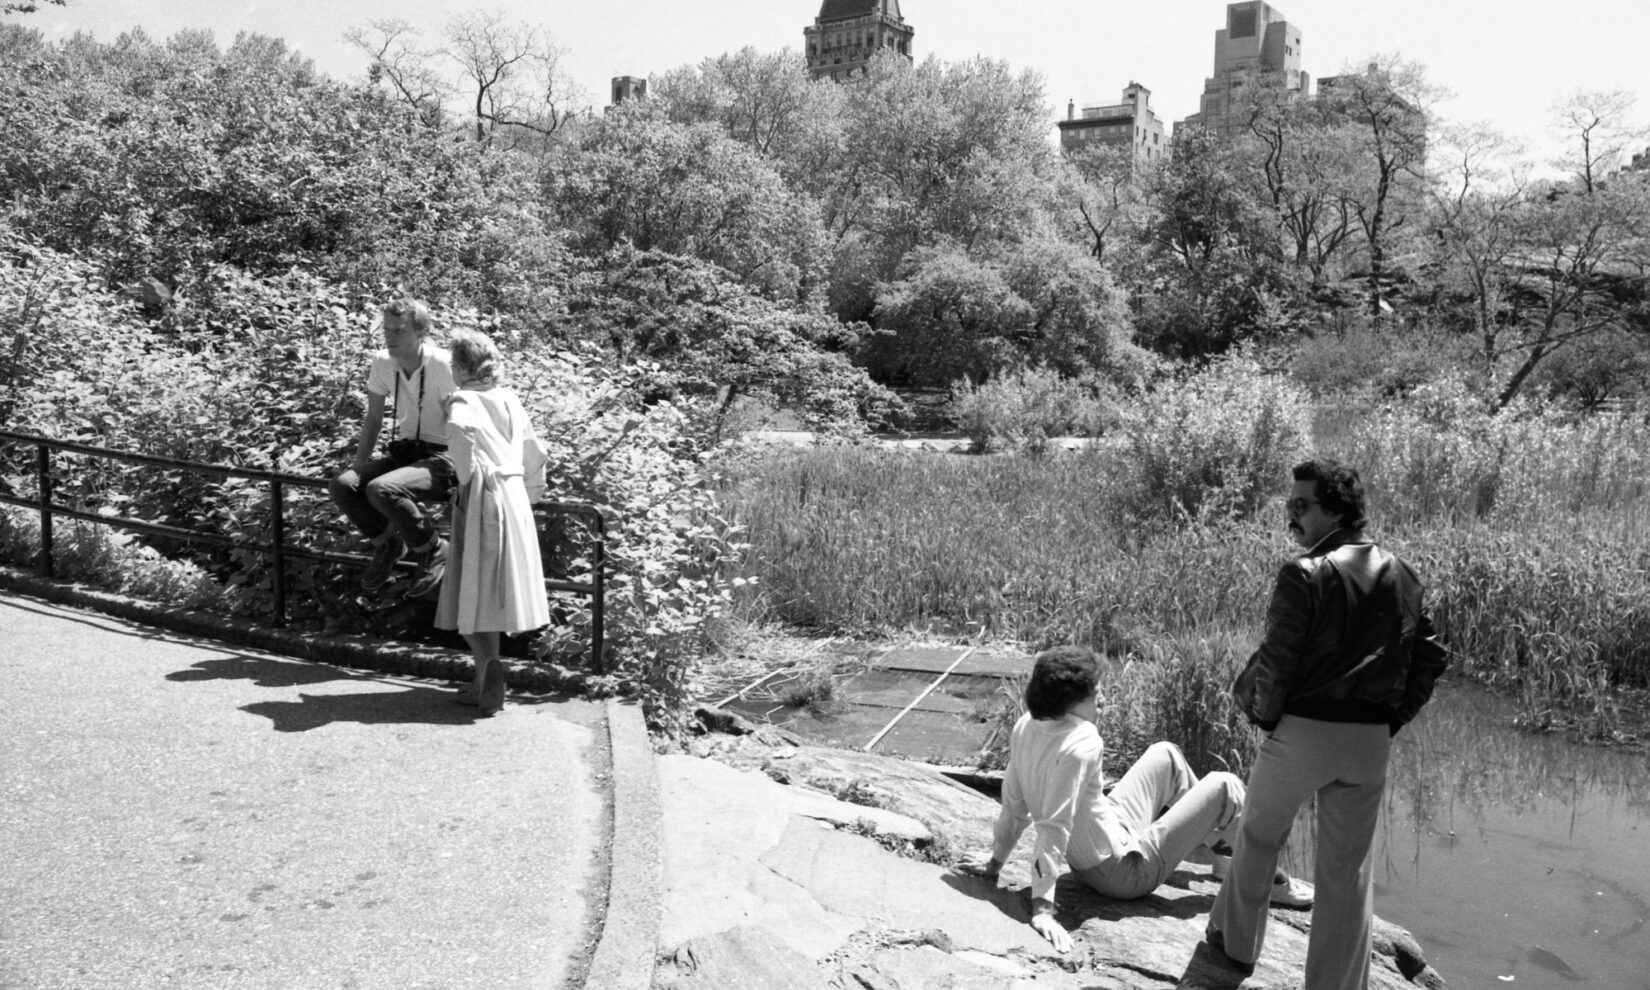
{"points": [[705, 340], [1578, 274], [1041, 303], [930, 154], [1303, 153], [1080, 321], [1103, 193], [1210, 276], [1388, 108], [1581, 269], [767, 101], [1480, 194], [1595, 369], [513, 75], [949, 316], [636, 178], [394, 57]]}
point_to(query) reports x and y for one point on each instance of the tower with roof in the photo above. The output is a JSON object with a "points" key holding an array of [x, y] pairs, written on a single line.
{"points": [[848, 32]]}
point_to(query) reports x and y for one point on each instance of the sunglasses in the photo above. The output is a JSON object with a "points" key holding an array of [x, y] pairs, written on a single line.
{"points": [[1297, 506]]}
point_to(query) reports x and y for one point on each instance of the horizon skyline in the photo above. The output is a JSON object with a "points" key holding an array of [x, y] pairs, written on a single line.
{"points": [[1100, 52]]}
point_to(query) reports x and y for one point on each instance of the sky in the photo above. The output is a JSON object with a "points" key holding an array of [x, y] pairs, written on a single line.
{"points": [[1505, 62]]}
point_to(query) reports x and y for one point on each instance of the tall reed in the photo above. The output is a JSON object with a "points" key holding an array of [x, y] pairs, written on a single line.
{"points": [[1528, 527]]}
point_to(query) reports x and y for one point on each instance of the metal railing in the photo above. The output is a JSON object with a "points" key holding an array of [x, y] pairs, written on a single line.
{"points": [[276, 547]]}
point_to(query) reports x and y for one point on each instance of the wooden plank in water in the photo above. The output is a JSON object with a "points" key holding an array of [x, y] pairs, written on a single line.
{"points": [[1000, 663], [918, 700], [884, 688], [934, 659], [934, 737], [964, 693]]}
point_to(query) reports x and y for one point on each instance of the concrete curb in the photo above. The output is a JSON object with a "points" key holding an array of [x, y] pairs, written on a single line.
{"points": [[625, 951], [629, 941]]}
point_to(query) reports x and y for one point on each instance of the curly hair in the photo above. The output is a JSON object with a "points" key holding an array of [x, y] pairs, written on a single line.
{"points": [[476, 360], [1061, 678], [1340, 490]]}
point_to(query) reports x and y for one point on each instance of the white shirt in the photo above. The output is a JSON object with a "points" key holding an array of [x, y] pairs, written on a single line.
{"points": [[427, 420], [1053, 783]]}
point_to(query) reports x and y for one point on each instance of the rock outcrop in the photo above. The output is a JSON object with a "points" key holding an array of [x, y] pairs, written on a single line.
{"points": [[808, 890]]}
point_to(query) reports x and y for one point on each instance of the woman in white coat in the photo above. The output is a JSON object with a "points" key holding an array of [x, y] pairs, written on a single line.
{"points": [[495, 579]]}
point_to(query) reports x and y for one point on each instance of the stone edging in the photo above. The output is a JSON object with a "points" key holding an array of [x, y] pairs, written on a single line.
{"points": [[629, 940]]}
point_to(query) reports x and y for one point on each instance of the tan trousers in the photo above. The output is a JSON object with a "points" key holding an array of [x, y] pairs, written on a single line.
{"points": [[1171, 812], [1344, 764]]}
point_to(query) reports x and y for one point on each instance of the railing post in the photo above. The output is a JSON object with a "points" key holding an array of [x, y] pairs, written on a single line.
{"points": [[43, 465], [277, 510], [598, 597]]}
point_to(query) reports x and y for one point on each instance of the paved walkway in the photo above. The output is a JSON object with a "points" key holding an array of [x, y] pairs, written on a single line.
{"points": [[179, 813]]}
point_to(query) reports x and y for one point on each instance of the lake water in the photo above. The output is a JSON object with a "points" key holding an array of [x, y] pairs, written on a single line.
{"points": [[1518, 861]]}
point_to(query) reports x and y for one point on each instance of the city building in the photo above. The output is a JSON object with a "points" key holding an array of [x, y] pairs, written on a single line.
{"points": [[1130, 124], [848, 32], [1258, 47], [627, 88]]}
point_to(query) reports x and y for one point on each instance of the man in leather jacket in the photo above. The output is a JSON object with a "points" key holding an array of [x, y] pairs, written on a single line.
{"points": [[1348, 658]]}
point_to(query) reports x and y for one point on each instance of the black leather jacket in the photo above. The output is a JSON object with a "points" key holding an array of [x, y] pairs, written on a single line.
{"points": [[1347, 640]]}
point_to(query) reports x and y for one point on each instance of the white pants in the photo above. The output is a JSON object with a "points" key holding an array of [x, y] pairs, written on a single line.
{"points": [[1172, 813], [1344, 764]]}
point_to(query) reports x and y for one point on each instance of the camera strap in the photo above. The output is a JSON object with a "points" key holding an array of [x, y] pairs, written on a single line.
{"points": [[395, 413]]}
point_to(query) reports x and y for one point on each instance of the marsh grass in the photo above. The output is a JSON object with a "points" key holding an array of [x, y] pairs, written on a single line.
{"points": [[862, 541], [1528, 528]]}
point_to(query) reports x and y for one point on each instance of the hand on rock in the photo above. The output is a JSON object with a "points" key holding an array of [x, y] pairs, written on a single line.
{"points": [[980, 865]]}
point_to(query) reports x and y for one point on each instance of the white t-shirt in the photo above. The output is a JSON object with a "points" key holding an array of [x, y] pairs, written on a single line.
{"points": [[1053, 783], [426, 420]]}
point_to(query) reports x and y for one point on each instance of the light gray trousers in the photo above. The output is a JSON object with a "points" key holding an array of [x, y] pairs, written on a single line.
{"points": [[1344, 764], [1199, 812]]}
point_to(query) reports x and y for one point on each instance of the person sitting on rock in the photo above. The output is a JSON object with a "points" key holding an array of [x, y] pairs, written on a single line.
{"points": [[1122, 844]]}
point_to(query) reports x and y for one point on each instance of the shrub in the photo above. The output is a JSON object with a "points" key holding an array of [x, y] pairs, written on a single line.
{"points": [[1444, 453], [111, 559], [1024, 410], [1215, 443], [1360, 359]]}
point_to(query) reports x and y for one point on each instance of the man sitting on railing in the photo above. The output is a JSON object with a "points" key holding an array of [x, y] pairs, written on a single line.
{"points": [[381, 495]]}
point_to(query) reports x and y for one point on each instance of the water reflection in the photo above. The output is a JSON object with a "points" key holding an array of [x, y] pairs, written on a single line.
{"points": [[1518, 861]]}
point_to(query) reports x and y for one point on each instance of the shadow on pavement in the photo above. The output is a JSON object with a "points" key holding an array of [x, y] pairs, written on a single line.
{"points": [[264, 672], [426, 706]]}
